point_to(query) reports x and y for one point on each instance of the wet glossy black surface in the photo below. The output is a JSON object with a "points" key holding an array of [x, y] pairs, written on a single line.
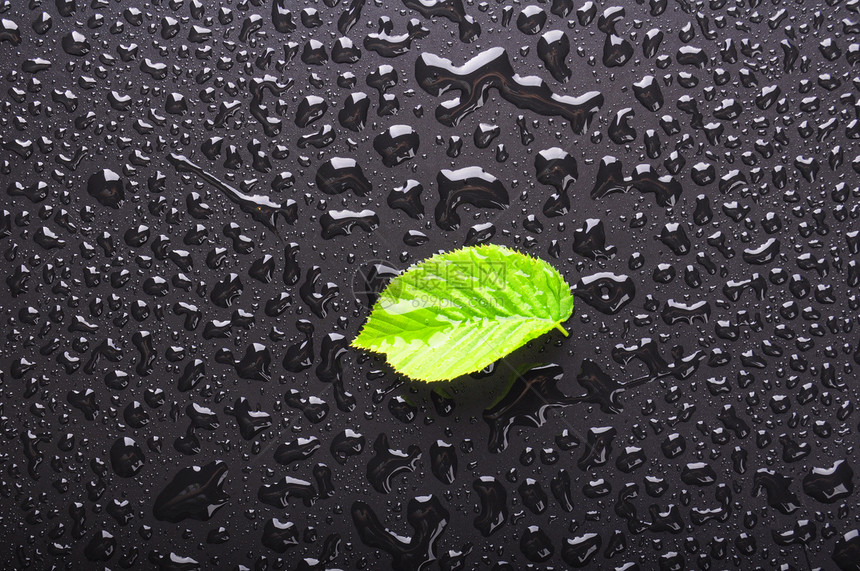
{"points": [[202, 199]]}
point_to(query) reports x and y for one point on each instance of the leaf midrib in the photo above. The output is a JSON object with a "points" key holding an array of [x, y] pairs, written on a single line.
{"points": [[464, 322]]}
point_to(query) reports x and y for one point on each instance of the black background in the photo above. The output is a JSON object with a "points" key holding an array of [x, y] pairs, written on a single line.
{"points": [[100, 130]]}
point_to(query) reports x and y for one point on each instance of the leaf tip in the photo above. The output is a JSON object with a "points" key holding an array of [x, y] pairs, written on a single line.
{"points": [[357, 342]]}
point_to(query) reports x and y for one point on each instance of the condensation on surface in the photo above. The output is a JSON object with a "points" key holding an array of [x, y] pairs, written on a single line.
{"points": [[202, 200]]}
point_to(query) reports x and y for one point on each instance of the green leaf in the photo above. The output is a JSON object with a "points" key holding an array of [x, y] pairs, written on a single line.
{"points": [[457, 312]]}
